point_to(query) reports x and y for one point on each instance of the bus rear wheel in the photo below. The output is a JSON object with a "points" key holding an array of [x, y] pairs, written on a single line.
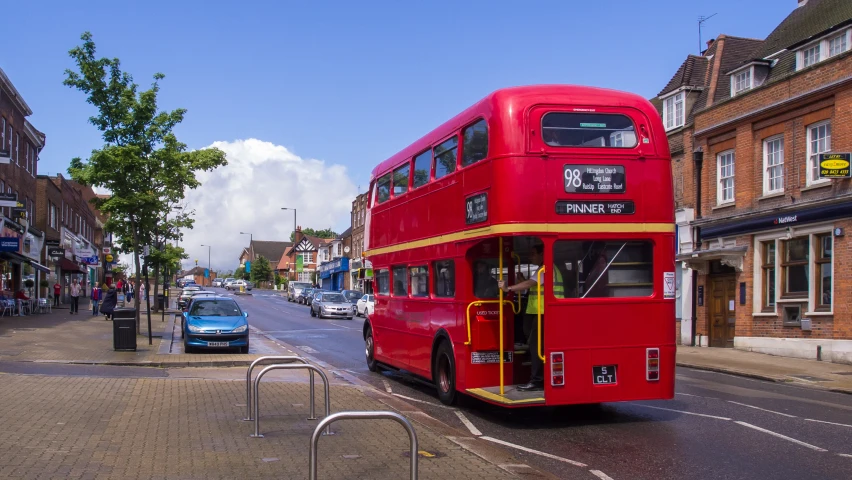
{"points": [[444, 373], [370, 351]]}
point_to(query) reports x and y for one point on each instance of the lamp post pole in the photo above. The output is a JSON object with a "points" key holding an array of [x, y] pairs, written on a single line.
{"points": [[294, 237], [209, 270]]}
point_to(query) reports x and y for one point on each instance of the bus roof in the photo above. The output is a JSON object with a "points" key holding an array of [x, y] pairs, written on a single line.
{"points": [[518, 99]]}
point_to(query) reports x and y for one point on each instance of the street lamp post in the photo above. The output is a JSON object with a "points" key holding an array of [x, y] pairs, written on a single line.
{"points": [[209, 270], [294, 238]]}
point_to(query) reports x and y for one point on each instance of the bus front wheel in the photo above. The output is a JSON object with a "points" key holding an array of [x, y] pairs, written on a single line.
{"points": [[445, 374], [370, 350]]}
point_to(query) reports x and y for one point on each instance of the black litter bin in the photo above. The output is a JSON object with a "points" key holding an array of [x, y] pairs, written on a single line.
{"points": [[124, 329], [161, 301]]}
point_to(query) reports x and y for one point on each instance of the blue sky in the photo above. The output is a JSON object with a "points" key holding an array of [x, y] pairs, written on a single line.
{"points": [[348, 83]]}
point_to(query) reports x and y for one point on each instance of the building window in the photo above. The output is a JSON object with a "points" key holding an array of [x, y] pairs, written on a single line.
{"points": [[383, 282], [305, 276], [795, 267], [17, 145], [773, 164], [673, 111], [725, 169], [306, 257], [769, 276], [742, 81], [400, 282], [445, 278], [419, 279], [823, 272], [810, 56], [819, 141], [338, 249], [3, 134], [837, 45]]}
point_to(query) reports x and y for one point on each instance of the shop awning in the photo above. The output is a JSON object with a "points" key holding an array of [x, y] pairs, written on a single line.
{"points": [[789, 217], [730, 256], [39, 266], [66, 264], [14, 257]]}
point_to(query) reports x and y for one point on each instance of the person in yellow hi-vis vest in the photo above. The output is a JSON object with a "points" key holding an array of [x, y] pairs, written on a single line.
{"points": [[536, 258]]}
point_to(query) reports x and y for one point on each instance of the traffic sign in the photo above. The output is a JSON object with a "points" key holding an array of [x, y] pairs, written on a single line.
{"points": [[668, 285]]}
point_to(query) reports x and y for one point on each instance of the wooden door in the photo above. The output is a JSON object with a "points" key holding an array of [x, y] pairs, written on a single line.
{"points": [[722, 311]]}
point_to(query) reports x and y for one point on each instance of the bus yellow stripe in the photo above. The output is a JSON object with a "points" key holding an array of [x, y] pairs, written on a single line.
{"points": [[513, 228]]}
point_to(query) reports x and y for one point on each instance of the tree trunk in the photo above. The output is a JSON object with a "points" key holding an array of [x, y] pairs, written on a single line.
{"points": [[137, 280], [156, 287]]}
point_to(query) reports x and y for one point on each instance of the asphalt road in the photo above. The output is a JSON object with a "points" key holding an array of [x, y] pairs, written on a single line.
{"points": [[718, 426]]}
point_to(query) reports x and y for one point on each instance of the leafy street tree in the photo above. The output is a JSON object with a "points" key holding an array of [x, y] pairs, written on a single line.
{"points": [[240, 273], [142, 163], [327, 233], [261, 271]]}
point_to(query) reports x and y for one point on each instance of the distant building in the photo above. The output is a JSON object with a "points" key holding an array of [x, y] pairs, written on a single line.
{"points": [[270, 250], [361, 276], [307, 248]]}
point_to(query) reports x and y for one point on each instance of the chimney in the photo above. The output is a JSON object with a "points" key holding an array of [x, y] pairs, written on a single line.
{"points": [[710, 42]]}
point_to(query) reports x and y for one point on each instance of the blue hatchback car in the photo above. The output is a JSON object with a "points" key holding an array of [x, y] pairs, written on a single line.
{"points": [[215, 322]]}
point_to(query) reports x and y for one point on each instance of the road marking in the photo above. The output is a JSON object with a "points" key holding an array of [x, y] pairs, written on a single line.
{"points": [[845, 455], [387, 386], [536, 452], [422, 401], [681, 411], [688, 395], [600, 474], [467, 423], [830, 423], [304, 331], [765, 410], [306, 349], [774, 434]]}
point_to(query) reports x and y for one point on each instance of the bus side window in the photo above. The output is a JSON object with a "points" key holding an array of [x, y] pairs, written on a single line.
{"points": [[383, 188], [383, 282], [419, 279], [400, 282], [445, 157], [475, 147], [444, 272], [422, 168]]}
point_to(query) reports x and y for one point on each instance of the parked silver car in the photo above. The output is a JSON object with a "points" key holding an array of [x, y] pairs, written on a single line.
{"points": [[331, 304]]}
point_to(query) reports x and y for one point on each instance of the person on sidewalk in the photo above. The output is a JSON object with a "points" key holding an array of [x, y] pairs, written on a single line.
{"points": [[57, 289], [109, 303], [96, 296], [75, 296], [20, 298]]}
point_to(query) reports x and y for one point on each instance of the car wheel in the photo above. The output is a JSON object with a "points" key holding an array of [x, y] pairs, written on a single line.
{"points": [[313, 313], [348, 318], [182, 333], [187, 348], [245, 349], [444, 373], [369, 350]]}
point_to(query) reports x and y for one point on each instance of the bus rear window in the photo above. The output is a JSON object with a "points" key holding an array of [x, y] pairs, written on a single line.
{"points": [[562, 129], [605, 268]]}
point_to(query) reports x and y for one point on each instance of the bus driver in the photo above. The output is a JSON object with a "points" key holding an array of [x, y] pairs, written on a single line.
{"points": [[536, 382]]}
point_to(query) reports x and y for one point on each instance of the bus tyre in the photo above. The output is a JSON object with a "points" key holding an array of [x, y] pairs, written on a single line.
{"points": [[445, 374], [370, 348]]}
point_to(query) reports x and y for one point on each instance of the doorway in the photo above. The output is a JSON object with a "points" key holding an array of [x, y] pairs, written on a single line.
{"points": [[722, 310]]}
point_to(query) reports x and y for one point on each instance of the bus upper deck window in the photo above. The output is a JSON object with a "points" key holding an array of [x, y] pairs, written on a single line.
{"points": [[383, 188], [445, 157], [562, 129], [400, 179], [475, 146]]}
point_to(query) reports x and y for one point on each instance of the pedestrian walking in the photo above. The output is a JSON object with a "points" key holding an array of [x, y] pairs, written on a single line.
{"points": [[57, 289], [129, 292], [109, 302], [96, 297], [75, 296], [143, 292]]}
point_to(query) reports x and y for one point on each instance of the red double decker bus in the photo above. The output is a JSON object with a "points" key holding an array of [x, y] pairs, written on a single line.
{"points": [[568, 186]]}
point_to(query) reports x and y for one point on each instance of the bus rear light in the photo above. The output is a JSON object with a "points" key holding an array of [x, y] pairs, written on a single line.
{"points": [[652, 364], [557, 369]]}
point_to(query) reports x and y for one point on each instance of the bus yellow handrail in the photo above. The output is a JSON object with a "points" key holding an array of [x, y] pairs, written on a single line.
{"points": [[500, 298], [539, 305], [477, 303]]}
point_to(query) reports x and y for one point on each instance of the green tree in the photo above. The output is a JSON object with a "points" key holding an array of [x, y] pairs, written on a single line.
{"points": [[327, 233], [240, 273], [142, 163], [261, 271]]}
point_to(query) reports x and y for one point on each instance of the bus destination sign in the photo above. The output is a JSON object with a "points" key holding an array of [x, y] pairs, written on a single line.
{"points": [[476, 208], [834, 165], [565, 207], [594, 178]]}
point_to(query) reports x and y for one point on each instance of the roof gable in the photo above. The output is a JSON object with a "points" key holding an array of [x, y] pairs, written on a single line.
{"points": [[271, 250], [305, 245], [689, 74], [808, 21]]}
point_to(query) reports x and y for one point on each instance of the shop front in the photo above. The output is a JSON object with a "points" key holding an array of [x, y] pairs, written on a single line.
{"points": [[361, 272], [333, 274]]}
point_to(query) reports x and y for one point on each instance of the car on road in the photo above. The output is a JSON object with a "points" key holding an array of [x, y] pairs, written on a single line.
{"points": [[236, 284], [331, 304], [187, 306], [294, 289], [215, 322], [218, 282], [304, 296], [365, 306], [353, 296], [316, 292], [185, 294], [228, 281]]}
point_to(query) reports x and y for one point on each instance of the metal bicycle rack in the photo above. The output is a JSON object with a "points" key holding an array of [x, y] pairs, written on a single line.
{"points": [[312, 368], [327, 421], [291, 358]]}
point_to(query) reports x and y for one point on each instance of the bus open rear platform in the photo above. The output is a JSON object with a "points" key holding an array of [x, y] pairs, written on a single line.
{"points": [[511, 396]]}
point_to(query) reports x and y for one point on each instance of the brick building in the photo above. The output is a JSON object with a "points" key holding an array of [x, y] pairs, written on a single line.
{"points": [[20, 145], [360, 279], [307, 248], [767, 235], [334, 260]]}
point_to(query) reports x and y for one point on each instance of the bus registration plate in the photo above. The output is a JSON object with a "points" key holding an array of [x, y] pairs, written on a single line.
{"points": [[603, 374]]}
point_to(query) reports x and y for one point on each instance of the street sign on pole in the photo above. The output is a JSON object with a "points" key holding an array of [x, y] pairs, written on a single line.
{"points": [[206, 273], [248, 267]]}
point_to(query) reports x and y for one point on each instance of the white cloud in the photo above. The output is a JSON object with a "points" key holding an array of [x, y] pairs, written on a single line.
{"points": [[247, 196]]}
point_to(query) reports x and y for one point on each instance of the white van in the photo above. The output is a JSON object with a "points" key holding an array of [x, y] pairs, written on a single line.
{"points": [[294, 289]]}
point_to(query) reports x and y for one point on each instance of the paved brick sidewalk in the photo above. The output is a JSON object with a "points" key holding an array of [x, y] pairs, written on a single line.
{"points": [[61, 427], [825, 375]]}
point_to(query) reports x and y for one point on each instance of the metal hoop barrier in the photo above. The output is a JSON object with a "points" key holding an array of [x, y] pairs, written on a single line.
{"points": [[291, 358], [289, 367], [412, 435]]}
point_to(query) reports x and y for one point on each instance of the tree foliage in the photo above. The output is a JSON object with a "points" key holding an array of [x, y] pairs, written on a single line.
{"points": [[326, 233], [142, 163], [261, 271], [240, 273]]}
